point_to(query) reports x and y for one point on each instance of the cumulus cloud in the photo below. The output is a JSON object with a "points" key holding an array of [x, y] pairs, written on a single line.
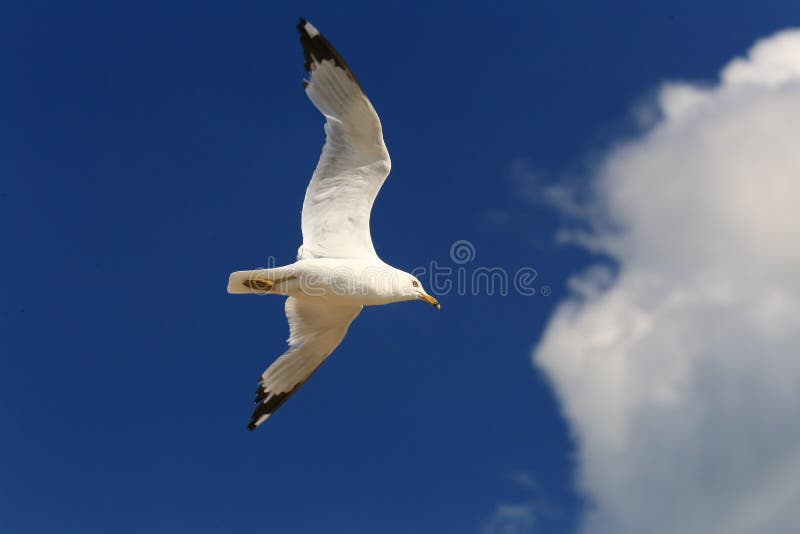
{"points": [[532, 511], [679, 373], [517, 518]]}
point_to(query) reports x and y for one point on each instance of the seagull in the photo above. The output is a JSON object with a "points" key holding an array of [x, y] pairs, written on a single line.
{"points": [[337, 271]]}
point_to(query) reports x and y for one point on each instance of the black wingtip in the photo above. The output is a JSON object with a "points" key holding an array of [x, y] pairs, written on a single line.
{"points": [[317, 49], [268, 402]]}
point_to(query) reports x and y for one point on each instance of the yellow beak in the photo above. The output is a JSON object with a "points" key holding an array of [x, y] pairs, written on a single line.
{"points": [[432, 301]]}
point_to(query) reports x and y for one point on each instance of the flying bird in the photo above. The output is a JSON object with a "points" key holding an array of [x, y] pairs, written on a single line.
{"points": [[337, 271]]}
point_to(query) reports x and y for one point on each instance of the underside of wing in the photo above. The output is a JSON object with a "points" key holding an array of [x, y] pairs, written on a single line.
{"points": [[315, 330], [354, 161]]}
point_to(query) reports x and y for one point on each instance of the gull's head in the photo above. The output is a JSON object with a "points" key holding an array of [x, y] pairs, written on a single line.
{"points": [[412, 290]]}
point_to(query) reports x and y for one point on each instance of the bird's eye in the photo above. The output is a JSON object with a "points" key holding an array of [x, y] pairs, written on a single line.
{"points": [[415, 283]]}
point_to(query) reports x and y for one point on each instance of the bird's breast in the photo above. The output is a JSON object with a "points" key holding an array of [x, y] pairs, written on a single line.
{"points": [[346, 281]]}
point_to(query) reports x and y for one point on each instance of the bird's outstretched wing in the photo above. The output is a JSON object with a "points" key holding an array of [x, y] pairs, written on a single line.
{"points": [[315, 330], [354, 162]]}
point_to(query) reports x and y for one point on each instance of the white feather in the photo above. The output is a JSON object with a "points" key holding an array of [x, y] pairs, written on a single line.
{"points": [[353, 166]]}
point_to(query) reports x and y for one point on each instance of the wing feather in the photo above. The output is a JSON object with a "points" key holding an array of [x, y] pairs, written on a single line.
{"points": [[354, 161], [315, 330]]}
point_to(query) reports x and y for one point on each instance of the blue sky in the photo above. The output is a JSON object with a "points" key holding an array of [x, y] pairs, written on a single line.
{"points": [[148, 149]]}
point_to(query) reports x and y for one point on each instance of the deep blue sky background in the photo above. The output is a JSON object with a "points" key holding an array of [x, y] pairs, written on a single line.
{"points": [[147, 149]]}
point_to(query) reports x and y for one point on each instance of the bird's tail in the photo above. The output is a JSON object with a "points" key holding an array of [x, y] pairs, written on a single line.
{"points": [[259, 281]]}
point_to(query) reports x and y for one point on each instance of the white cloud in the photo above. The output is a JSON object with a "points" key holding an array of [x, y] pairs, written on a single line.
{"points": [[680, 377], [517, 518], [528, 513]]}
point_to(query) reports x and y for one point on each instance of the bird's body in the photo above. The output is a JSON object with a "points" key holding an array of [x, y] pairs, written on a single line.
{"points": [[335, 280], [337, 271]]}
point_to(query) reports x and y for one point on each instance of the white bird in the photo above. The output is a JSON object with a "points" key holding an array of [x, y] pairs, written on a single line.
{"points": [[337, 271]]}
